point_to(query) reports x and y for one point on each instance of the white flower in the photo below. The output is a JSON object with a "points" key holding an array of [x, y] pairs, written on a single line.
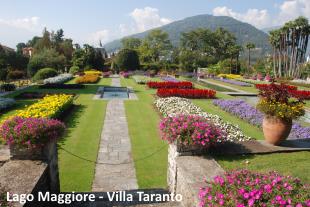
{"points": [[59, 79], [174, 105]]}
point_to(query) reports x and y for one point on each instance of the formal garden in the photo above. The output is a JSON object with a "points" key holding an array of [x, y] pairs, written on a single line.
{"points": [[205, 107]]}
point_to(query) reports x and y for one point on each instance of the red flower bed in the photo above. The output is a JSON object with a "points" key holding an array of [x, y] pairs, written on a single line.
{"points": [[186, 93], [303, 95], [168, 84]]}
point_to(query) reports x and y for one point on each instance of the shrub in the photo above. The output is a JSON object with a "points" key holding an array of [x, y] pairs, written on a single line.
{"points": [[127, 59], [74, 69], [243, 188], [184, 84], [17, 74], [186, 93], [59, 79], [6, 103], [44, 73], [87, 78], [61, 86], [190, 130], [47, 58], [7, 87], [30, 132]]}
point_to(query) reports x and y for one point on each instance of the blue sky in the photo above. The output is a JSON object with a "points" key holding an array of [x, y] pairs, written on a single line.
{"points": [[93, 20]]}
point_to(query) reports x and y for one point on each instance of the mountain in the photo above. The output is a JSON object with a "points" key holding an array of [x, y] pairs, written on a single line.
{"points": [[244, 32], [268, 29]]}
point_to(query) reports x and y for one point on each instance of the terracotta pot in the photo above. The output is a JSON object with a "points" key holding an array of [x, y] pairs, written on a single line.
{"points": [[276, 129]]}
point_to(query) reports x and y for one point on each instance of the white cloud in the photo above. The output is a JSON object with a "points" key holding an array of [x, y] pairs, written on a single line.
{"points": [[103, 35], [288, 10], [147, 18], [142, 20], [31, 23], [292, 9], [258, 18]]}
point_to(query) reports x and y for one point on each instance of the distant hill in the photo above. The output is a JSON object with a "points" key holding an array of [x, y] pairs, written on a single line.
{"points": [[243, 31]]}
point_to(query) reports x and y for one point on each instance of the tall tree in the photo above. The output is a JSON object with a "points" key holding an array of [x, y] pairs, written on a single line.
{"points": [[131, 43], [289, 45], [156, 44], [249, 46]]}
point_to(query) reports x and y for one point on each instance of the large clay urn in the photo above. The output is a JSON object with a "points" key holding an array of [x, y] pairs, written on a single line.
{"points": [[276, 129]]}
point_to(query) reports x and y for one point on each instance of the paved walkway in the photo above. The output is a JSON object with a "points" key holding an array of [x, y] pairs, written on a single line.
{"points": [[115, 149]]}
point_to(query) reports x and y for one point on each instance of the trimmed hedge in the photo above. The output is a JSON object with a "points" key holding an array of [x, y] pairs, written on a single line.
{"points": [[45, 73]]}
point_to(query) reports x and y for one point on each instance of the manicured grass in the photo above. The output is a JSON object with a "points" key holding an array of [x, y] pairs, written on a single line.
{"points": [[295, 163], [249, 89], [145, 138], [247, 128], [84, 124]]}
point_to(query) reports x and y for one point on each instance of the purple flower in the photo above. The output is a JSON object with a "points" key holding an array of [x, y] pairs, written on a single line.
{"points": [[245, 111]]}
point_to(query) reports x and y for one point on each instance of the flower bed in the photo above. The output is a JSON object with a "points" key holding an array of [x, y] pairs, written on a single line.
{"points": [[186, 93], [243, 188], [61, 86], [249, 113], [230, 76], [87, 78], [30, 132], [93, 72], [183, 84], [173, 106], [234, 82], [190, 130], [58, 79], [6, 103], [169, 79], [51, 106], [251, 81], [139, 79]]}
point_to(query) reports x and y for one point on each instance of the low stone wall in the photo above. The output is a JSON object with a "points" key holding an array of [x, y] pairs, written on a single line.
{"points": [[25, 176], [187, 172]]}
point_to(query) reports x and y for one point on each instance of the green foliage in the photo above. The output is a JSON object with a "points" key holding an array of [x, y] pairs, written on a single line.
{"points": [[7, 87], [15, 74], [131, 43], [88, 57], [3, 74], [46, 58], [127, 59], [74, 69], [44, 73], [156, 45]]}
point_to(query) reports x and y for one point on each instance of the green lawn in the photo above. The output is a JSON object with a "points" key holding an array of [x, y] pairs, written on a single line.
{"points": [[295, 163], [84, 124], [145, 138]]}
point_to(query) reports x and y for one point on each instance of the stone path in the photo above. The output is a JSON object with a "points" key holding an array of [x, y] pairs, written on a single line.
{"points": [[115, 149]]}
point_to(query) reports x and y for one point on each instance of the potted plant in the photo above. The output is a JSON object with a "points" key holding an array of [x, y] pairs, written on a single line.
{"points": [[280, 105], [31, 138]]}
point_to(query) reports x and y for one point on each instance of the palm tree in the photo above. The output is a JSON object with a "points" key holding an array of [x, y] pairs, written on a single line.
{"points": [[249, 46]]}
